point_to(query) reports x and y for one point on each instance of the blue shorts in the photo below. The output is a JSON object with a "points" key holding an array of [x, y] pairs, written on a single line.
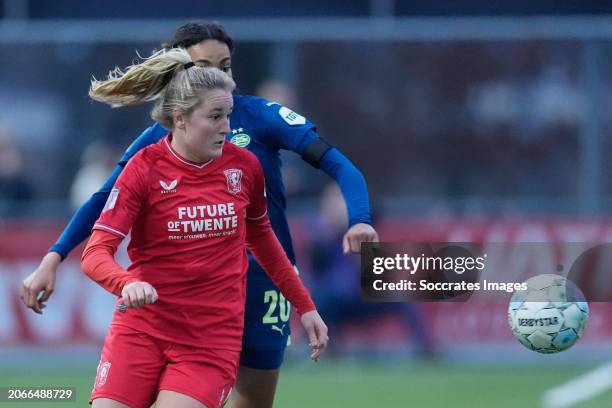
{"points": [[266, 324]]}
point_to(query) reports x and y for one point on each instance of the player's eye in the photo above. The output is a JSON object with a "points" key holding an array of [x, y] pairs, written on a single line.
{"points": [[227, 68]]}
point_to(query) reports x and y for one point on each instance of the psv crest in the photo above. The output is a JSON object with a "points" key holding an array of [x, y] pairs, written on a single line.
{"points": [[234, 180]]}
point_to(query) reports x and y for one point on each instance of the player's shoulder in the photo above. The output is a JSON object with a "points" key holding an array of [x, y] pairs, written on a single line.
{"points": [[147, 137], [236, 154], [272, 113], [251, 102], [233, 152], [149, 155], [255, 105]]}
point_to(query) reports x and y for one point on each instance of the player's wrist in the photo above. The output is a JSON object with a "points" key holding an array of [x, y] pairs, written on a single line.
{"points": [[357, 221], [306, 310], [51, 260], [129, 281], [59, 250]]}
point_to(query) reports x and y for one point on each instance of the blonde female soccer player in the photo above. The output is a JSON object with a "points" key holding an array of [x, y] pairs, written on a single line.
{"points": [[191, 202]]}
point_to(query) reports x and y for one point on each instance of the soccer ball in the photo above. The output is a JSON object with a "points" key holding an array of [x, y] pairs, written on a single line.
{"points": [[550, 315]]}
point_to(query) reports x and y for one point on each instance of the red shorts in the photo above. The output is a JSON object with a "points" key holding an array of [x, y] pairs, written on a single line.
{"points": [[134, 367]]}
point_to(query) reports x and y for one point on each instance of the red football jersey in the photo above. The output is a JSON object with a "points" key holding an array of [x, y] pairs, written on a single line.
{"points": [[188, 229]]}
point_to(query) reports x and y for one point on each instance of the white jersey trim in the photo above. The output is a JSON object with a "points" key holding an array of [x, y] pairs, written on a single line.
{"points": [[109, 229], [257, 218], [198, 166]]}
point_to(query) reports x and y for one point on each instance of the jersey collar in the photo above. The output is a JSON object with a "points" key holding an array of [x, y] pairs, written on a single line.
{"points": [[174, 153]]}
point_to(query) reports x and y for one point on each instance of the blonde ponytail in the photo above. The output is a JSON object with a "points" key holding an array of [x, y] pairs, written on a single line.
{"points": [[162, 77], [140, 82]]}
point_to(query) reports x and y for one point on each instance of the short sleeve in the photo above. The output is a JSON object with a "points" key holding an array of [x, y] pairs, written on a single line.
{"points": [[258, 205], [125, 199], [285, 128]]}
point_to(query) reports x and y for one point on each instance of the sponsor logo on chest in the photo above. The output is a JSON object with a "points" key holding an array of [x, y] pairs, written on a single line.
{"points": [[168, 187], [204, 221]]}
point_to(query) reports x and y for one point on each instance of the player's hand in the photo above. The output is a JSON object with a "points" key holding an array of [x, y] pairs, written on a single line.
{"points": [[137, 294], [41, 280], [317, 333], [357, 234]]}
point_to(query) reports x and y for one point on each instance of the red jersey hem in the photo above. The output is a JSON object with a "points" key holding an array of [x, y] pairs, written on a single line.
{"points": [[183, 343]]}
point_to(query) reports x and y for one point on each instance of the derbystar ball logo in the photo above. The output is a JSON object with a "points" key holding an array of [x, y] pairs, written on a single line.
{"points": [[168, 187], [234, 180]]}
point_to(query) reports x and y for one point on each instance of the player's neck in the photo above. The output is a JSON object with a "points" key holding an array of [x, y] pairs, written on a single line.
{"points": [[184, 152]]}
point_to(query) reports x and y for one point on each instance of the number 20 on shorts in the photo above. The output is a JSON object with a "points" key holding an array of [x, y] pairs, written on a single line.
{"points": [[276, 299]]}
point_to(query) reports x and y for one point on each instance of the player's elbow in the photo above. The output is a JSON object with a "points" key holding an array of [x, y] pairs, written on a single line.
{"points": [[94, 254], [87, 260], [338, 166], [352, 170]]}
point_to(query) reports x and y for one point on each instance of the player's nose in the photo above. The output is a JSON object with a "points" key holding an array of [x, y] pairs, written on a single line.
{"points": [[225, 127]]}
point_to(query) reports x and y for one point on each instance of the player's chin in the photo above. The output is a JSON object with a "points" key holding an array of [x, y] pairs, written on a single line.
{"points": [[216, 149]]}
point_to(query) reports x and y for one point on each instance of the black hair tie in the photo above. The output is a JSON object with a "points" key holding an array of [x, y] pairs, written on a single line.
{"points": [[188, 65]]}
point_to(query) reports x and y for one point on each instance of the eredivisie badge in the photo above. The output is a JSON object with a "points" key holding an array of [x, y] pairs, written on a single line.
{"points": [[291, 117], [234, 180], [111, 200]]}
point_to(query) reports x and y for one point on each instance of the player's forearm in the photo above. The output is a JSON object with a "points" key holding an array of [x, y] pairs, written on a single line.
{"points": [[352, 184], [270, 255], [98, 262], [79, 227]]}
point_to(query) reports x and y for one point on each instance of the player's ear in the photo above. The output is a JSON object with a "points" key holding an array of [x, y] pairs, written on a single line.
{"points": [[178, 118]]}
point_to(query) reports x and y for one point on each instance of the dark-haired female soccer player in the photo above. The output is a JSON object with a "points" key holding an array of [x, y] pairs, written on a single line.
{"points": [[264, 128]]}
